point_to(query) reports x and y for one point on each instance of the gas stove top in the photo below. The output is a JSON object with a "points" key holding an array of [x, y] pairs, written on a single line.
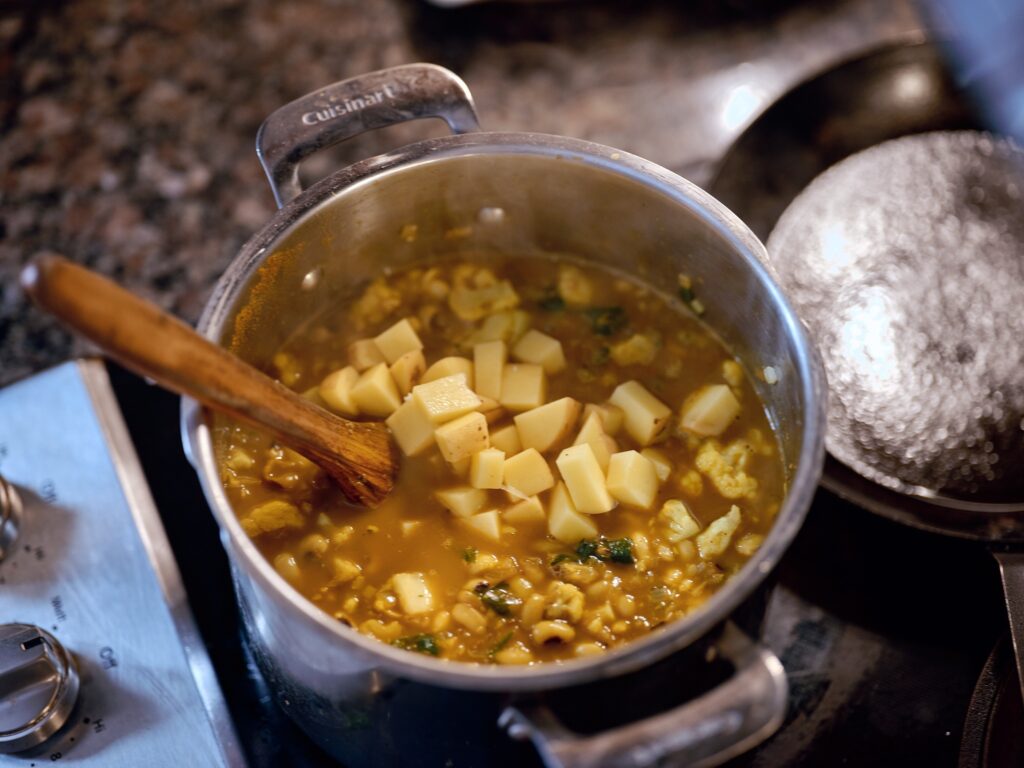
{"points": [[883, 630]]}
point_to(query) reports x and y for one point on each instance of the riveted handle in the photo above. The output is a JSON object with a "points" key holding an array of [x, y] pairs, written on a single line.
{"points": [[724, 722], [350, 107]]}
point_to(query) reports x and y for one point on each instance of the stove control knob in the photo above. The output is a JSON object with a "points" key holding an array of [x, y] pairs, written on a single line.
{"points": [[38, 686], [10, 517]]}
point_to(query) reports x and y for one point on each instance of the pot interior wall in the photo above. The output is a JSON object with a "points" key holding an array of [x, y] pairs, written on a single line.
{"points": [[551, 204]]}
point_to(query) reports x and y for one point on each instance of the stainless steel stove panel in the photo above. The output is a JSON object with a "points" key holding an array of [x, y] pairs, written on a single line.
{"points": [[92, 566]]}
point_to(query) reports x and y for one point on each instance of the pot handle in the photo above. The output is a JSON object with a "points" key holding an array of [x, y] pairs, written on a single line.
{"points": [[1011, 568], [350, 107], [724, 722]]}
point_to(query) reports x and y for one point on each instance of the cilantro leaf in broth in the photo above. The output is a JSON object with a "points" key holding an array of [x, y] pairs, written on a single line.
{"points": [[607, 321], [423, 643], [498, 598]]}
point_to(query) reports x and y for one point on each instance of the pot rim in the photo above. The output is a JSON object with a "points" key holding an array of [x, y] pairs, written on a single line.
{"points": [[471, 676]]}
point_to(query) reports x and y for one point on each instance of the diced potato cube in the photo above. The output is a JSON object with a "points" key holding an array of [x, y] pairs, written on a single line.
{"points": [[411, 428], [584, 479], [449, 366], [662, 465], [645, 416], [527, 473], [503, 326], [593, 435], [489, 358], [445, 399], [520, 325], [413, 593], [407, 369], [375, 392], [611, 416], [462, 501], [461, 438], [363, 354], [507, 439], [529, 510], [487, 468], [487, 524], [715, 539], [549, 425], [565, 523], [591, 429], [397, 340], [540, 349], [632, 479], [574, 287], [679, 520], [336, 391], [710, 411], [523, 386]]}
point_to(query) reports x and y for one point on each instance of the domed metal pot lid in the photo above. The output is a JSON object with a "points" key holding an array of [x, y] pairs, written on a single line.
{"points": [[906, 262]]}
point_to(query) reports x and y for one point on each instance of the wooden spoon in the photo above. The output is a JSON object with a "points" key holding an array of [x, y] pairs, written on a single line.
{"points": [[142, 337]]}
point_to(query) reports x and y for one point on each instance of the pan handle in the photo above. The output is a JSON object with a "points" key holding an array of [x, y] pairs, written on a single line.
{"points": [[724, 722], [350, 107], [1011, 568]]}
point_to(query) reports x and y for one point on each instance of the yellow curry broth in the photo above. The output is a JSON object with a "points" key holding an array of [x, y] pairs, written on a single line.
{"points": [[528, 597]]}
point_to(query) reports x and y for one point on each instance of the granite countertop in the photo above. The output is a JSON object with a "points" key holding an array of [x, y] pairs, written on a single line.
{"points": [[128, 126]]}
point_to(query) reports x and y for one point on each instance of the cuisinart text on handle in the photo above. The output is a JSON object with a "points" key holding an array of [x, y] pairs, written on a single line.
{"points": [[348, 106]]}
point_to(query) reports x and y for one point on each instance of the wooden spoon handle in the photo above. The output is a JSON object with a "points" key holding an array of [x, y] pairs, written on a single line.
{"points": [[144, 338]]}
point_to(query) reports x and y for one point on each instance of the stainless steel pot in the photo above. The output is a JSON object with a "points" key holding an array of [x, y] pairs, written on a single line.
{"points": [[369, 703]]}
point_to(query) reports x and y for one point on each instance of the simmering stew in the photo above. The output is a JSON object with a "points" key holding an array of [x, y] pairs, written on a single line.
{"points": [[583, 461]]}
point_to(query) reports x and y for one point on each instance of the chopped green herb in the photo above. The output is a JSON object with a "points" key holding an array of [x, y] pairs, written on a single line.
{"points": [[498, 598], [620, 550], [419, 643], [499, 645], [607, 321], [469, 554], [605, 550], [585, 549], [561, 557], [552, 304], [687, 294]]}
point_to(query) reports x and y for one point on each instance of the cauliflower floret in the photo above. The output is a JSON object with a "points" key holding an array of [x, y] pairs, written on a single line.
{"points": [[725, 467], [638, 349], [690, 482], [477, 293], [574, 287], [565, 601], [377, 302], [270, 516], [679, 522], [715, 539]]}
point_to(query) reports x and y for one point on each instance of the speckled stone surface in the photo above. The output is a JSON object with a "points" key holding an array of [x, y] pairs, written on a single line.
{"points": [[128, 126]]}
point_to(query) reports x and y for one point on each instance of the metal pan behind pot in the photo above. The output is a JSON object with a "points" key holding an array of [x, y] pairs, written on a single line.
{"points": [[369, 703], [884, 95]]}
